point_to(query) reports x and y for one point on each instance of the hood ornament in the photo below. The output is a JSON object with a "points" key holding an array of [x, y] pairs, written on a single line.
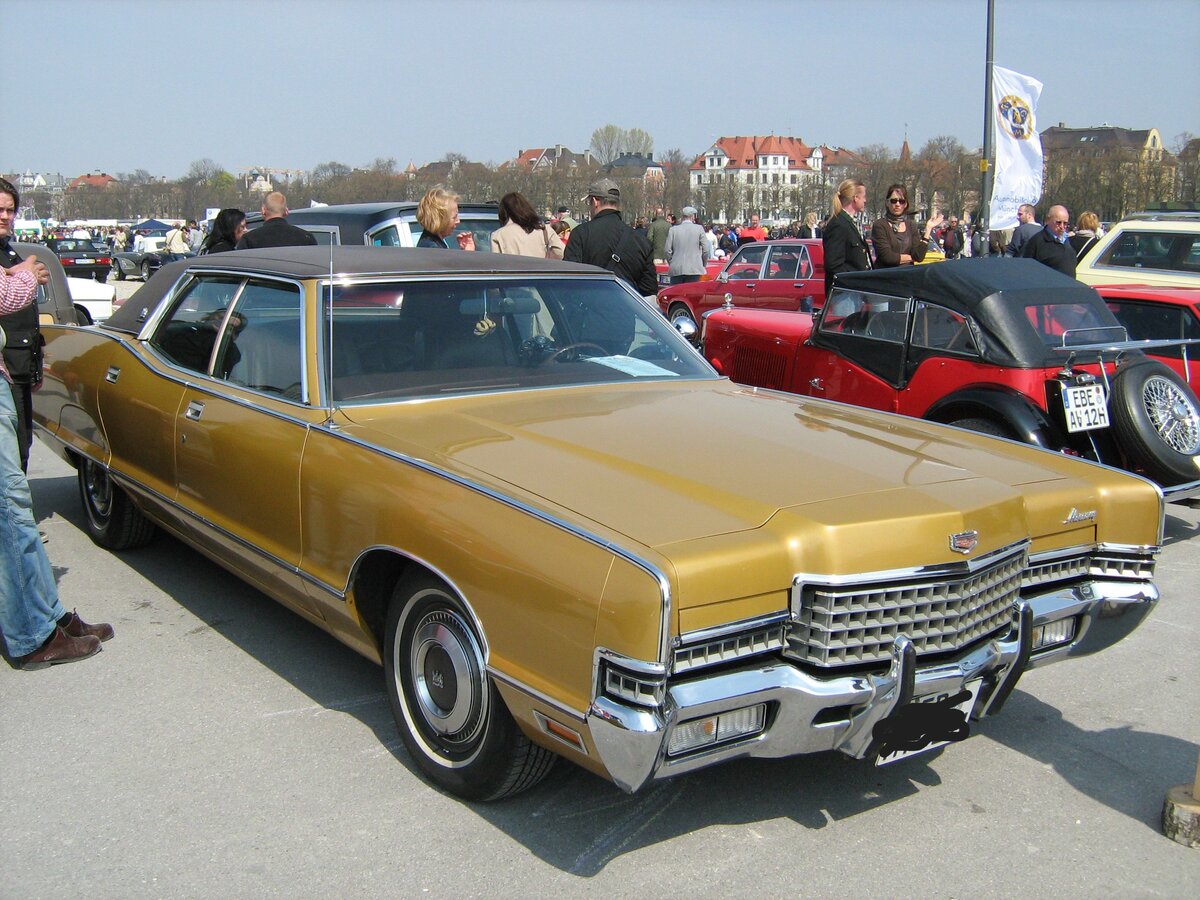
{"points": [[1076, 516], [964, 541]]}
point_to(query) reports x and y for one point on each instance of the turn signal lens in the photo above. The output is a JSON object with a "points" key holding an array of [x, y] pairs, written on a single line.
{"points": [[717, 729], [1053, 634]]}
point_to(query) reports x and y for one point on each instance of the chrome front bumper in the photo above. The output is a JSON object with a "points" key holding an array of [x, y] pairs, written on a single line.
{"points": [[811, 712]]}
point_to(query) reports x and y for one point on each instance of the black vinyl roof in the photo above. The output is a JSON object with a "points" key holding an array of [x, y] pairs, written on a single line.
{"points": [[319, 262], [994, 292]]}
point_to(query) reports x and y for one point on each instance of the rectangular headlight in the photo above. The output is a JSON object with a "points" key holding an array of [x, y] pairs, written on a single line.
{"points": [[1053, 634], [714, 730]]}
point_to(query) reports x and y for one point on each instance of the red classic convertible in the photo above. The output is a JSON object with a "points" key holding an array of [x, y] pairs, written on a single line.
{"points": [[784, 275], [1000, 346]]}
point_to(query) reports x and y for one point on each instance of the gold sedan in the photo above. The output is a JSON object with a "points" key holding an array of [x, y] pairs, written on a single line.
{"points": [[515, 486]]}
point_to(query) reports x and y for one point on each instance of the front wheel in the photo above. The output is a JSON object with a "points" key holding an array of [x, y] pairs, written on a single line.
{"points": [[111, 518], [1156, 419], [118, 272], [450, 715]]}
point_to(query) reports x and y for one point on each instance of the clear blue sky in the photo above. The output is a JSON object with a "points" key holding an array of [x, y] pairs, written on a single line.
{"points": [[118, 85]]}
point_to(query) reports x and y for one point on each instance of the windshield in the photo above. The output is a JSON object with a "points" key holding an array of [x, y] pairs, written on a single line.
{"points": [[401, 339]]}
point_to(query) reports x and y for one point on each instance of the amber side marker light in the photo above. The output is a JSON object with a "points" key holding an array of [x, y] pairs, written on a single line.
{"points": [[560, 731]]}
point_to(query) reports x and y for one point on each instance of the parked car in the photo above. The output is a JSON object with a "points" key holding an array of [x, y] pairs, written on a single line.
{"points": [[785, 274], [494, 476], [82, 258], [1161, 249], [54, 298], [93, 302], [1160, 313], [1001, 346], [141, 263], [384, 224]]}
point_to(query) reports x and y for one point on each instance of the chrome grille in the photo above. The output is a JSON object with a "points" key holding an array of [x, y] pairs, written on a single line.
{"points": [[1122, 565], [1064, 568], [855, 624], [735, 646], [1088, 562]]}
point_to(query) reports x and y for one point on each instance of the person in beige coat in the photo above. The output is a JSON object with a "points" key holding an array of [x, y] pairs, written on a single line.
{"points": [[521, 232]]}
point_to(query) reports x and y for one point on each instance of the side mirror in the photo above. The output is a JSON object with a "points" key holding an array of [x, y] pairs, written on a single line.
{"points": [[723, 277]]}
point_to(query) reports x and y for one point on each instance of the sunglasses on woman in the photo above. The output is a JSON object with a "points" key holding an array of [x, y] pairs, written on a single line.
{"points": [[897, 200]]}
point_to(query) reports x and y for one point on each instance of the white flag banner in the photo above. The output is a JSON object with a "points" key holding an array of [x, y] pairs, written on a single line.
{"points": [[1018, 177]]}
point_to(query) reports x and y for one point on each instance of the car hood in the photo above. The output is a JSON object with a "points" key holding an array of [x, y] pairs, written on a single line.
{"points": [[672, 463]]}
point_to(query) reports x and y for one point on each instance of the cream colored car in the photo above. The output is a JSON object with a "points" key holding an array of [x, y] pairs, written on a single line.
{"points": [[1160, 249], [515, 486]]}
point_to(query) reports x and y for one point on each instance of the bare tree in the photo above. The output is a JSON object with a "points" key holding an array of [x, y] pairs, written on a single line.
{"points": [[676, 179], [638, 141], [606, 143]]}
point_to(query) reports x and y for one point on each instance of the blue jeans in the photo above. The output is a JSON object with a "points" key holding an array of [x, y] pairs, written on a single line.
{"points": [[29, 606]]}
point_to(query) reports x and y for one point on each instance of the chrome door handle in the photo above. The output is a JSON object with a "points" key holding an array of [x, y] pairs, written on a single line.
{"points": [[816, 384], [195, 409], [113, 373]]}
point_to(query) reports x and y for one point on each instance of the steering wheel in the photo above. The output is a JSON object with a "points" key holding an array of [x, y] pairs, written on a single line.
{"points": [[561, 354]]}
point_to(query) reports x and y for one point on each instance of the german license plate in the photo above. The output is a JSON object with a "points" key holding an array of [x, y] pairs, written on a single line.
{"points": [[1085, 407], [926, 723]]}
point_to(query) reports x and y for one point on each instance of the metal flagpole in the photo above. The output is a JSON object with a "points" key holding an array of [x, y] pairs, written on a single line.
{"points": [[989, 136]]}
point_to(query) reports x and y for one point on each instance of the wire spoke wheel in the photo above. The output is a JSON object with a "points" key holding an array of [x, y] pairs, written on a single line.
{"points": [[1173, 414]]}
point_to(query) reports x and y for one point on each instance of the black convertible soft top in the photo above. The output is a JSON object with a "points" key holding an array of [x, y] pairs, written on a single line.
{"points": [[997, 293]]}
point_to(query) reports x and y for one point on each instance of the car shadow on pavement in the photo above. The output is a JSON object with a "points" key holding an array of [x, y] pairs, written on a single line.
{"points": [[1179, 523], [1126, 769]]}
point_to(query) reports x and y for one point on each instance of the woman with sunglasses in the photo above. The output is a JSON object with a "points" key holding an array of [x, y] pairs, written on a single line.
{"points": [[896, 237]]}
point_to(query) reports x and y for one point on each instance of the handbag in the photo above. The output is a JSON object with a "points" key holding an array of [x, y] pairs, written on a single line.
{"points": [[550, 254]]}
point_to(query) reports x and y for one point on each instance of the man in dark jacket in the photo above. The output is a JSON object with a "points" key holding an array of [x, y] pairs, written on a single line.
{"points": [[1050, 245], [656, 234], [275, 230], [606, 241]]}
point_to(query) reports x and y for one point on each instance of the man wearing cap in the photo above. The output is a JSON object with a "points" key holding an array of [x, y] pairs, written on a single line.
{"points": [[606, 241], [687, 248]]}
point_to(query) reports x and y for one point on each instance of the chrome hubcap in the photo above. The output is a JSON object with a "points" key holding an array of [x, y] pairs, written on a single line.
{"points": [[447, 674], [99, 490]]}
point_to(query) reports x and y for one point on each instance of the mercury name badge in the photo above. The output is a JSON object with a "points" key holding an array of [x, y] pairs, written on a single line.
{"points": [[1076, 516], [964, 542]]}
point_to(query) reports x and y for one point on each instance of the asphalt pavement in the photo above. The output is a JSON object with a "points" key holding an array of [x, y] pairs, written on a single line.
{"points": [[220, 746]]}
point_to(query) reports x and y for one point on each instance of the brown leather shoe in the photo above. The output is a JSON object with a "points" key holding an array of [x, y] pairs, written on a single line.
{"points": [[61, 648], [76, 627]]}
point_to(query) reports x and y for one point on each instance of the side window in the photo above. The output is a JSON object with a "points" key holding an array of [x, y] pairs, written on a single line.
{"points": [[805, 268], [386, 237], [189, 332], [785, 263], [865, 315], [261, 346], [938, 328], [748, 262]]}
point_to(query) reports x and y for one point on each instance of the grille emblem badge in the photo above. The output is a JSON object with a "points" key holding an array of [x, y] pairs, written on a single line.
{"points": [[964, 542]]}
